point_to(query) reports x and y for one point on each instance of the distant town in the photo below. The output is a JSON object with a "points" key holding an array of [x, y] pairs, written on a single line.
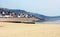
{"points": [[7, 13], [17, 15]]}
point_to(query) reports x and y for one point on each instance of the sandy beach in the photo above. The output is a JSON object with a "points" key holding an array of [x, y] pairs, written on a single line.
{"points": [[29, 30]]}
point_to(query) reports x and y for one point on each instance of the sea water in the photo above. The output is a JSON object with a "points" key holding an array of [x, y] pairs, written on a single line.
{"points": [[49, 22]]}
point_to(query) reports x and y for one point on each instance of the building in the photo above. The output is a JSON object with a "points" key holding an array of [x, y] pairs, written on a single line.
{"points": [[13, 14], [23, 15]]}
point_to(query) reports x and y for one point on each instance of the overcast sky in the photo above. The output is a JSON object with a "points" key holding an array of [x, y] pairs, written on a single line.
{"points": [[45, 7]]}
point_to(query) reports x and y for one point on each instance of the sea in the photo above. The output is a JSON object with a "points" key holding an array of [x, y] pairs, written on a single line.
{"points": [[49, 22]]}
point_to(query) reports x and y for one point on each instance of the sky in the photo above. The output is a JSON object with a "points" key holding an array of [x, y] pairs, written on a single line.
{"points": [[45, 7]]}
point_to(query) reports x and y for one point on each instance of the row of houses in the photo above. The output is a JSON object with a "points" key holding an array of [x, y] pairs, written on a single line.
{"points": [[13, 14]]}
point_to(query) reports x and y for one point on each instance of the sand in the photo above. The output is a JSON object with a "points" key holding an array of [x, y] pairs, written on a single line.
{"points": [[29, 30]]}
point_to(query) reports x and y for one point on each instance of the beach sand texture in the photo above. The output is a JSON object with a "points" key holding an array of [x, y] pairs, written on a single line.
{"points": [[29, 30]]}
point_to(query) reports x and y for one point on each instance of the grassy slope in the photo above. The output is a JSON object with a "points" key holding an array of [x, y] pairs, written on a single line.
{"points": [[18, 19]]}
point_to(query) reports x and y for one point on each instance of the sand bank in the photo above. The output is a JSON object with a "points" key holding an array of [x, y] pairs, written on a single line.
{"points": [[29, 30]]}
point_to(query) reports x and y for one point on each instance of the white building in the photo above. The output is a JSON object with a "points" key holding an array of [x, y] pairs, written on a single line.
{"points": [[23, 15]]}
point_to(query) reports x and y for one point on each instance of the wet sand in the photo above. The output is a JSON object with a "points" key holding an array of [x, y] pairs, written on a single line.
{"points": [[29, 30]]}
